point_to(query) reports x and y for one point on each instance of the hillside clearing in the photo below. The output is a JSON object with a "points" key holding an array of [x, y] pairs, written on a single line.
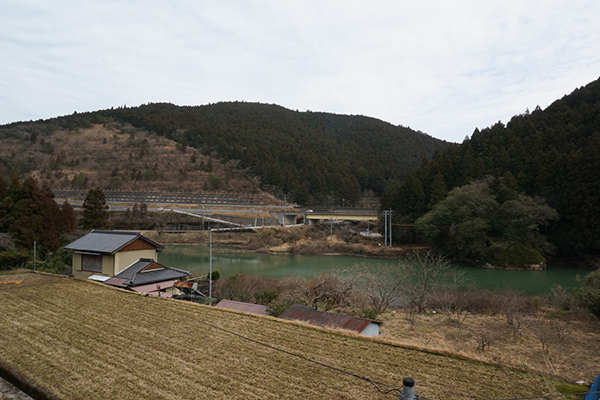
{"points": [[85, 340]]}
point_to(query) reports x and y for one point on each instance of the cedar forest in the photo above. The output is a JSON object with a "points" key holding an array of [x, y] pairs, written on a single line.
{"points": [[550, 157]]}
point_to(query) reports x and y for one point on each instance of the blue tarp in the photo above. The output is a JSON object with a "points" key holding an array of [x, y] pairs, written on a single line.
{"points": [[595, 388]]}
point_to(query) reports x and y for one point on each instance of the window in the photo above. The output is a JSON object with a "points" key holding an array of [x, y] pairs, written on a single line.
{"points": [[91, 263]]}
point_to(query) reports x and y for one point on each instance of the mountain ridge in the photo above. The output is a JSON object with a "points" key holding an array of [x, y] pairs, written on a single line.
{"points": [[310, 158], [552, 153]]}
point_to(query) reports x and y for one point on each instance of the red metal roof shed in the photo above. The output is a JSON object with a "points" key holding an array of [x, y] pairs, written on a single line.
{"points": [[310, 314]]}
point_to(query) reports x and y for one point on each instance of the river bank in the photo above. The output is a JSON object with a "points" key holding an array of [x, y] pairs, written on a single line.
{"points": [[314, 240], [304, 240]]}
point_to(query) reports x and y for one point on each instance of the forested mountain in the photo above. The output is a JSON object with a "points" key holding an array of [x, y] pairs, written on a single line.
{"points": [[71, 153], [553, 154], [311, 157]]}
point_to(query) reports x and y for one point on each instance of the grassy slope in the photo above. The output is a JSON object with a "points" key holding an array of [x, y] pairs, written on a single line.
{"points": [[85, 340], [97, 150]]}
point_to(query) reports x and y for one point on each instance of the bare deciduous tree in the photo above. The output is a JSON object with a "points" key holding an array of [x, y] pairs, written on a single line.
{"points": [[329, 289], [241, 287], [7, 241], [513, 305], [381, 286], [486, 334], [547, 332], [451, 294], [425, 272]]}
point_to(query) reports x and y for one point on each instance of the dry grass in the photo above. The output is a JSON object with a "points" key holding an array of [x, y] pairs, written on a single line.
{"points": [[573, 351], [97, 150], [308, 240], [85, 340]]}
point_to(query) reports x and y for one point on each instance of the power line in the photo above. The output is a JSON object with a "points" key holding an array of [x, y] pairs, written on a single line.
{"points": [[375, 384]]}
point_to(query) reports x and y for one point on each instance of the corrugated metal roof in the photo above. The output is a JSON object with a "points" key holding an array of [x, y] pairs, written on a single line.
{"points": [[118, 282], [310, 314], [246, 307], [146, 271], [152, 289], [107, 242]]}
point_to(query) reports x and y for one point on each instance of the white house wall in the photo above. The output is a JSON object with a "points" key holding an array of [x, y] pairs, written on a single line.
{"points": [[371, 330]]}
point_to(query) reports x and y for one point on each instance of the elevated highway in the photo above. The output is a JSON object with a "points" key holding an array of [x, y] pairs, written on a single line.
{"points": [[311, 216], [217, 206]]}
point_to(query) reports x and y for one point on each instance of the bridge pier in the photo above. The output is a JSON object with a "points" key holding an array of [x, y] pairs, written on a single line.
{"points": [[286, 218]]}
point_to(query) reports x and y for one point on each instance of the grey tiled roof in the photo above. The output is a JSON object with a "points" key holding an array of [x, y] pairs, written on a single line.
{"points": [[136, 276], [107, 242]]}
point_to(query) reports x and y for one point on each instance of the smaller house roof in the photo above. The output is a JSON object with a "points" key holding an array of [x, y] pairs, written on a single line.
{"points": [[152, 289], [144, 272], [107, 242], [310, 314], [246, 307]]}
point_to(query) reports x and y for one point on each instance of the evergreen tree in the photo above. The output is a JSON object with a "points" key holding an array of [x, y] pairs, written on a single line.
{"points": [[15, 190], [2, 187], [390, 196], [301, 195], [51, 229], [411, 199], [68, 218], [27, 214], [95, 210], [438, 190], [474, 222]]}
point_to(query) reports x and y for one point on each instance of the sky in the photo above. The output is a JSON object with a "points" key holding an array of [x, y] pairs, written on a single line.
{"points": [[441, 67]]}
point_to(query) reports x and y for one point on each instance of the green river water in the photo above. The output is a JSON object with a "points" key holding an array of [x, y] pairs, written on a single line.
{"points": [[229, 261]]}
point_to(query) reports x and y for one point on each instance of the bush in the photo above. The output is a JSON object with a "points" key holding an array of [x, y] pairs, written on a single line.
{"points": [[369, 313], [588, 295], [266, 296], [215, 276], [215, 182], [14, 259], [277, 308], [242, 287], [515, 255]]}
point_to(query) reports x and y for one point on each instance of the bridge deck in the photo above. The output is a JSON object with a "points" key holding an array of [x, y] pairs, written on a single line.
{"points": [[356, 214], [118, 196]]}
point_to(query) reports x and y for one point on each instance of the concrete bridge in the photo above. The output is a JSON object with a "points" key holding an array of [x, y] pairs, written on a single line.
{"points": [[312, 216]]}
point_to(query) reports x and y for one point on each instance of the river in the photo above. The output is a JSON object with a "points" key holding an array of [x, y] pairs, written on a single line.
{"points": [[230, 261]]}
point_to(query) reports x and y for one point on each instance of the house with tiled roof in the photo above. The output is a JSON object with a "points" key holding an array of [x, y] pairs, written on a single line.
{"points": [[107, 253], [148, 276], [362, 326]]}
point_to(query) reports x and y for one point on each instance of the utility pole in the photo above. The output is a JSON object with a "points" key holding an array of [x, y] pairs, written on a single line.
{"points": [[390, 214], [210, 267], [331, 224], [385, 228]]}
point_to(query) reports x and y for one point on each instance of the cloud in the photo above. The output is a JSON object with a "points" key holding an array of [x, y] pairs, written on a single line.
{"points": [[439, 67]]}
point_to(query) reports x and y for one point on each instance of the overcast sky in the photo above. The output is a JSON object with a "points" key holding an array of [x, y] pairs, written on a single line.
{"points": [[441, 67]]}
